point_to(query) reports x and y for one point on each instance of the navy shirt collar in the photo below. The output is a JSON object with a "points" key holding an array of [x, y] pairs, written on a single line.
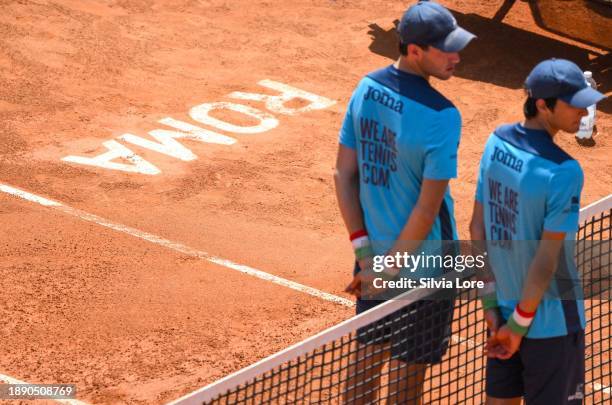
{"points": [[535, 141], [402, 74]]}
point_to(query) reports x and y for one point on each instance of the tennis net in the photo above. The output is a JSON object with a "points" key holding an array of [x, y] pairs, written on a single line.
{"points": [[372, 357]]}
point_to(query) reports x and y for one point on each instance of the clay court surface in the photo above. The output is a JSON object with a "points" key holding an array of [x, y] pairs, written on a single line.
{"points": [[131, 321]]}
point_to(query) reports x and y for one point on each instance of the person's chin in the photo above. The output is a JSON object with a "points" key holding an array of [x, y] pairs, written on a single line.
{"points": [[445, 75]]}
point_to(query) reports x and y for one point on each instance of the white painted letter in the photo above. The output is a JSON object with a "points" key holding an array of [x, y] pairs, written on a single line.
{"points": [[277, 103], [167, 145], [201, 113], [116, 151], [191, 132]]}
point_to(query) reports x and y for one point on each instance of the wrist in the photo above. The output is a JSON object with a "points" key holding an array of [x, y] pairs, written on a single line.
{"points": [[361, 244], [494, 310], [358, 233], [489, 303], [365, 252], [488, 296], [488, 289], [520, 321]]}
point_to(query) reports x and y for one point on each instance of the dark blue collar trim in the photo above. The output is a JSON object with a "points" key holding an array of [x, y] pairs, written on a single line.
{"points": [[411, 86], [536, 142]]}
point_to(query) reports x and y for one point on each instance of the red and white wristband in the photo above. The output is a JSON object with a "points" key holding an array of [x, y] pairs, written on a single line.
{"points": [[361, 244], [360, 239], [520, 321]]}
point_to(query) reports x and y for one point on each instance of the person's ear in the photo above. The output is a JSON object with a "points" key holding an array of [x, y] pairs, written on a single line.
{"points": [[414, 51], [541, 105]]}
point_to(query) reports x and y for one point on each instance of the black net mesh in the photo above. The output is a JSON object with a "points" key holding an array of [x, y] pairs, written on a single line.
{"points": [[434, 344], [593, 251]]}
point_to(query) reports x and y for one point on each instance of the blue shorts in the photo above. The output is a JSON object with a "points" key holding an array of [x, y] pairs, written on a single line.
{"points": [[418, 333], [544, 371]]}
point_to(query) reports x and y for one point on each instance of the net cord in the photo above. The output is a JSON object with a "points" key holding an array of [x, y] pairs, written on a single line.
{"points": [[598, 207]]}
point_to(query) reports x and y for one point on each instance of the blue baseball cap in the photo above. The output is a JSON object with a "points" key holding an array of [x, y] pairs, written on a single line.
{"points": [[429, 23], [562, 79]]}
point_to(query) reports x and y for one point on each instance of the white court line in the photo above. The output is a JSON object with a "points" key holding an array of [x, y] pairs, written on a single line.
{"points": [[12, 380], [179, 247], [27, 196]]}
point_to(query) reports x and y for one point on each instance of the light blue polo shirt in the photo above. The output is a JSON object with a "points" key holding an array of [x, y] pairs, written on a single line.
{"points": [[403, 131], [528, 184]]}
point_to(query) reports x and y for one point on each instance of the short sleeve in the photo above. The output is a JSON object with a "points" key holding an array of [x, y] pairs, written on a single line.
{"points": [[563, 198], [347, 136], [442, 144]]}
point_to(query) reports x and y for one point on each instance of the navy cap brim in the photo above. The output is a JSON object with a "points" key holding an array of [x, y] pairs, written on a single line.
{"points": [[455, 41], [583, 98]]}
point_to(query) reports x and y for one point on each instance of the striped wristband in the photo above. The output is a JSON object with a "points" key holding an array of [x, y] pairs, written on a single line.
{"points": [[488, 296], [520, 321], [363, 252], [361, 244], [358, 234], [489, 302]]}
